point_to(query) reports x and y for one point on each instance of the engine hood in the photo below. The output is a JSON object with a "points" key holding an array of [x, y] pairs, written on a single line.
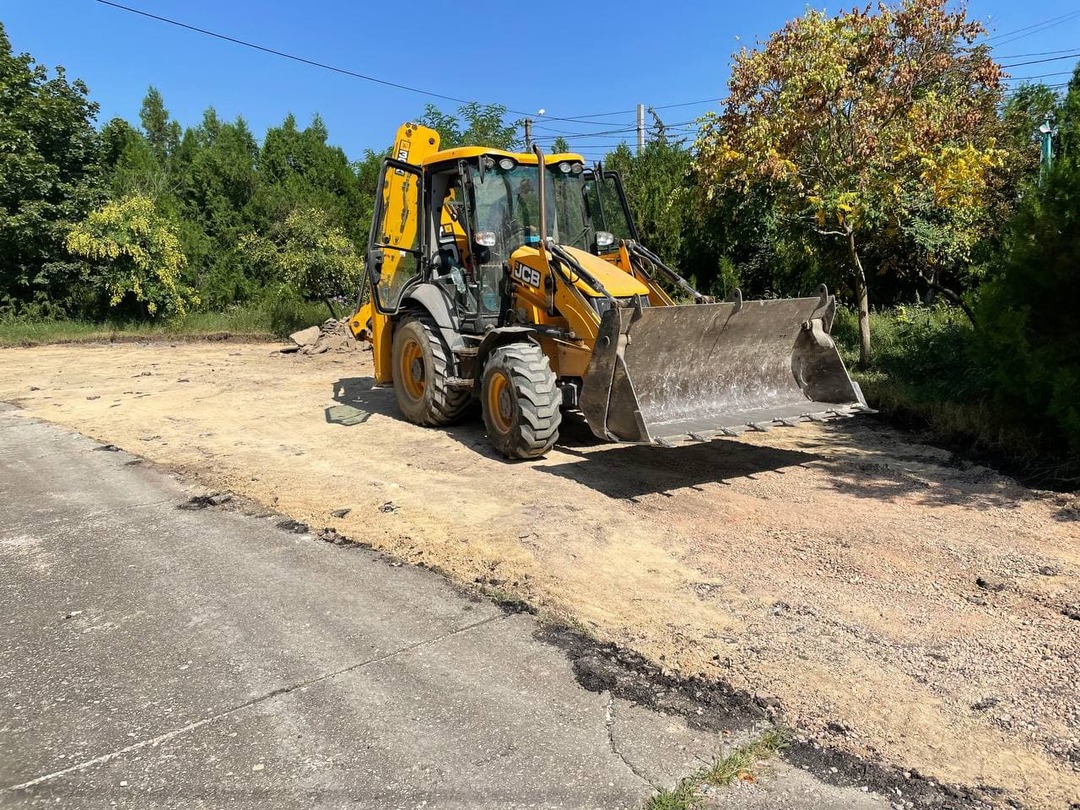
{"points": [[615, 281]]}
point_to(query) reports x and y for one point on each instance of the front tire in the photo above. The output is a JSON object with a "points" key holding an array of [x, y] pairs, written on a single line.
{"points": [[521, 401], [421, 365]]}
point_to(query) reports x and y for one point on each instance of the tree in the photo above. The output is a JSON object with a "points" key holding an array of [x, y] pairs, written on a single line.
{"points": [[559, 146], [162, 133], [48, 177], [484, 126], [298, 169], [313, 255], [216, 183], [655, 182], [1030, 310], [866, 127], [135, 257]]}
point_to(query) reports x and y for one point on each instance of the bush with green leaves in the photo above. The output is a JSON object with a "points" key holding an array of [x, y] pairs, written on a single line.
{"points": [[312, 255], [1030, 310]]}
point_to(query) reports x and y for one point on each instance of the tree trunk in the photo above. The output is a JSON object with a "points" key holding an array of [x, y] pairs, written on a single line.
{"points": [[330, 307], [862, 294]]}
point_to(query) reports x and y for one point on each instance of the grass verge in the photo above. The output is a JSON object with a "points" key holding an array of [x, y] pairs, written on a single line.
{"points": [[257, 321], [740, 765]]}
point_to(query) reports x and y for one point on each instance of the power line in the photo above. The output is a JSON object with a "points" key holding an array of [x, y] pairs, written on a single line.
{"points": [[283, 54], [634, 110], [1034, 28], [609, 133], [1040, 53], [583, 119], [1073, 55], [1038, 76]]}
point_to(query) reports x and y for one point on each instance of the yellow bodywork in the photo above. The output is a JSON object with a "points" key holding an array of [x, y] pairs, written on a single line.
{"points": [[413, 144], [636, 373], [419, 145]]}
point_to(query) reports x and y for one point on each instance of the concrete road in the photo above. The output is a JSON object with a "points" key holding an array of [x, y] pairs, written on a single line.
{"points": [[157, 657]]}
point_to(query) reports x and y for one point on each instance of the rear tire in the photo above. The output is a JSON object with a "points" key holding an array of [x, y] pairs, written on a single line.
{"points": [[521, 401], [421, 366]]}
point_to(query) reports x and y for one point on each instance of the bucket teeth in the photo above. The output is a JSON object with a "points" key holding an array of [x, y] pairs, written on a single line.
{"points": [[700, 437], [813, 417], [729, 431], [760, 427], [786, 422], [663, 442]]}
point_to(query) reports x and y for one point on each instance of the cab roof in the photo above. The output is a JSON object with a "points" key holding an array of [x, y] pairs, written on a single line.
{"points": [[526, 158]]}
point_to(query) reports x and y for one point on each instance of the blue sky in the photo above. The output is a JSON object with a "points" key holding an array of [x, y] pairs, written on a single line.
{"points": [[572, 60]]}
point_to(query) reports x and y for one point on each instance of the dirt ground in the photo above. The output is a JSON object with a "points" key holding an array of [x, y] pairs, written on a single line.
{"points": [[900, 605]]}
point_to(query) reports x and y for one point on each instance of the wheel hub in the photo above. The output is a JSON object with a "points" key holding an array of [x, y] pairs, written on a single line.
{"points": [[411, 370]]}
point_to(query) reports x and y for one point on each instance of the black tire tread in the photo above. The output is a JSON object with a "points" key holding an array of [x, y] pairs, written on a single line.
{"points": [[445, 405], [539, 401]]}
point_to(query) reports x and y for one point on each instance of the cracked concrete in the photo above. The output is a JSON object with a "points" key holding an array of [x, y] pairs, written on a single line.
{"points": [[609, 722], [156, 657]]}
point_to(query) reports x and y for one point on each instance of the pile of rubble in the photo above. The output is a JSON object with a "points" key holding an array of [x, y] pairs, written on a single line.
{"points": [[332, 336]]}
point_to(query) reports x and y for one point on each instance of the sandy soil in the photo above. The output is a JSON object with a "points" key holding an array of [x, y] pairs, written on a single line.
{"points": [[900, 606]]}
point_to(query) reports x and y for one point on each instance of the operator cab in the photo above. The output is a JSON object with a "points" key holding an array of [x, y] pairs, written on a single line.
{"points": [[485, 205]]}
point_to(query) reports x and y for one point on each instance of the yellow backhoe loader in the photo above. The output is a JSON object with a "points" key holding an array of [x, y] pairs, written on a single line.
{"points": [[498, 276]]}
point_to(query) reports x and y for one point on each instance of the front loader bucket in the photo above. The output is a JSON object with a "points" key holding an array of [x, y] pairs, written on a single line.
{"points": [[660, 374]]}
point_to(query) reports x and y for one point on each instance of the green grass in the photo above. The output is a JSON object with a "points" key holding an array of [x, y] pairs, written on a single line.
{"points": [[257, 321], [741, 763]]}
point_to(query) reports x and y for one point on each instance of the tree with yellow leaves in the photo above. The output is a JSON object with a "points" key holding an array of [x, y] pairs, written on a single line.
{"points": [[134, 255], [869, 124]]}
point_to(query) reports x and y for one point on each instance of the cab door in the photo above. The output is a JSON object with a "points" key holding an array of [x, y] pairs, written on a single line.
{"points": [[607, 206], [395, 257]]}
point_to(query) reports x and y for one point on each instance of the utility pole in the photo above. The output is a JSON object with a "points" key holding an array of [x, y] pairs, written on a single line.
{"points": [[640, 128], [1047, 132], [528, 134]]}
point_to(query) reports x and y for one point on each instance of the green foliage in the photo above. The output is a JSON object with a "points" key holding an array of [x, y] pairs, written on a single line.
{"points": [[931, 347], [48, 178], [134, 257], [312, 255], [657, 189], [740, 764], [484, 126], [1030, 310]]}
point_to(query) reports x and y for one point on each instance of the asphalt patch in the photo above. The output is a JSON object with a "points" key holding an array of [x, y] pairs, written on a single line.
{"points": [[717, 706]]}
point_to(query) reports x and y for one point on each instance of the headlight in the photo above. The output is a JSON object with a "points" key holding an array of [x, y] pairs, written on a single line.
{"points": [[485, 238], [604, 239], [506, 164]]}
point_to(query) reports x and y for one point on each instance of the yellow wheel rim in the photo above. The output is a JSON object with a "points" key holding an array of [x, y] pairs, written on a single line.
{"points": [[500, 403], [411, 369]]}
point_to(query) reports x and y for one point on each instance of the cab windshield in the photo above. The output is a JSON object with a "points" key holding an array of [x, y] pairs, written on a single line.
{"points": [[507, 212]]}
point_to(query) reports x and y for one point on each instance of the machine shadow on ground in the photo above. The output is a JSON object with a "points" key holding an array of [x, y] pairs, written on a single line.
{"points": [[359, 392], [632, 471], [864, 456], [618, 471]]}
